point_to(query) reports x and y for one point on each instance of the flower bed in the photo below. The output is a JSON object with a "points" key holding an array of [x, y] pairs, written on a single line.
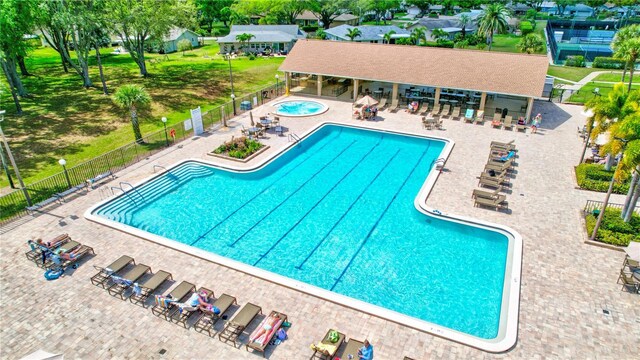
{"points": [[613, 229], [240, 148], [594, 177]]}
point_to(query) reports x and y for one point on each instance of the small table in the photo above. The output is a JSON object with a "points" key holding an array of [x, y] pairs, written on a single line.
{"points": [[454, 102], [253, 130], [266, 122]]}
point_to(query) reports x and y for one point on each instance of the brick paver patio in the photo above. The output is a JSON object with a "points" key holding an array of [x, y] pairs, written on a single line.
{"points": [[566, 284]]}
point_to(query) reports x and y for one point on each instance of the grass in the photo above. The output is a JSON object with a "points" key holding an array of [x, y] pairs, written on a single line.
{"points": [[586, 92], [569, 72], [63, 120], [508, 42], [614, 76]]}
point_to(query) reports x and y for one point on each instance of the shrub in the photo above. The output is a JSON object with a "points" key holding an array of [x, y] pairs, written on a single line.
{"points": [[309, 29], [481, 46], [576, 60], [239, 148], [613, 230], [608, 63], [252, 56], [594, 177], [526, 27], [433, 15]]}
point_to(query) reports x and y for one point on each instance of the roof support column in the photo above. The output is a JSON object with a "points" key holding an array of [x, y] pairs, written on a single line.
{"points": [[436, 99], [527, 116], [356, 85], [319, 85], [394, 93], [483, 100]]}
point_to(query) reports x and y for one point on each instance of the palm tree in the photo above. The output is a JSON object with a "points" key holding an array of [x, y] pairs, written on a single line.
{"points": [[386, 38], [417, 35], [624, 34], [492, 19], [531, 43], [629, 51], [131, 97], [353, 33], [244, 38], [464, 21], [320, 34]]}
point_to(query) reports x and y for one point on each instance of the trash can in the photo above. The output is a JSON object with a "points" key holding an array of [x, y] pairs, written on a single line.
{"points": [[596, 212]]}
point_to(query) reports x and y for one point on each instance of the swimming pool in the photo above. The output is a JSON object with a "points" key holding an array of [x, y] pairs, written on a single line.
{"points": [[337, 212], [297, 108]]}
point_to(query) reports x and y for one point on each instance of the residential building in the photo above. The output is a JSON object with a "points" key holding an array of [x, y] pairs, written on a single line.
{"points": [[307, 18], [275, 38], [450, 24], [170, 41], [368, 33]]}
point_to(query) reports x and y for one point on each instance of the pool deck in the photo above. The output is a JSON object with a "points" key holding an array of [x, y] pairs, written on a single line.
{"points": [[565, 283]]}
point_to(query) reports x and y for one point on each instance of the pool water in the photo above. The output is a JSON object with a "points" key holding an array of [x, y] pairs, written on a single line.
{"points": [[336, 211], [300, 108]]}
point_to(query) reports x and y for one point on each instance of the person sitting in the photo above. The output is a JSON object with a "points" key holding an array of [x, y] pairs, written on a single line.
{"points": [[521, 121], [505, 157], [374, 111], [366, 352], [72, 255]]}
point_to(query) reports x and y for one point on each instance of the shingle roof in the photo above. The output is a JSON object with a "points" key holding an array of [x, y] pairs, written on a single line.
{"points": [[444, 23], [495, 72], [175, 33], [265, 33], [368, 32], [308, 15]]}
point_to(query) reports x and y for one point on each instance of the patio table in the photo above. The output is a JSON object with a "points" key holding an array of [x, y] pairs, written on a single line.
{"points": [[454, 102], [266, 122]]}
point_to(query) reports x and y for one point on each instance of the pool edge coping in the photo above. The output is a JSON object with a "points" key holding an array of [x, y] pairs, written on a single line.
{"points": [[509, 311]]}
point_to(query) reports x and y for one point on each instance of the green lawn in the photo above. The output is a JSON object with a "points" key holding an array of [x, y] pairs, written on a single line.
{"points": [[569, 72], [63, 120], [508, 42], [615, 76], [586, 92]]}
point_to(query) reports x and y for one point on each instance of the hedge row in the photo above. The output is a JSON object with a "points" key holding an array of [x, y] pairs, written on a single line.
{"points": [[613, 230], [608, 63], [576, 61], [595, 177]]}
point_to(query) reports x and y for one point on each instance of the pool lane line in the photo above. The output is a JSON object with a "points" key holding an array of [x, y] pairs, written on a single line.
{"points": [[344, 271], [335, 225], [203, 235], [358, 163], [293, 193]]}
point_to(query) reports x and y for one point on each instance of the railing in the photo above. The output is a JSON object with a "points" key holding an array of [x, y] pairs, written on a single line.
{"points": [[13, 204], [597, 205]]}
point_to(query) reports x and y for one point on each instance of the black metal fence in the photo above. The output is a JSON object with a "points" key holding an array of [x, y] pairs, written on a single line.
{"points": [[13, 204]]}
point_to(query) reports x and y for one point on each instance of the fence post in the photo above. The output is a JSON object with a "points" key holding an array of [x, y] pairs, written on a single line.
{"points": [[135, 147], [122, 156]]}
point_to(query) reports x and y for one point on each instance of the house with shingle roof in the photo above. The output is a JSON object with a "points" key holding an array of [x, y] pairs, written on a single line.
{"points": [[450, 24], [307, 18], [368, 33], [275, 38]]}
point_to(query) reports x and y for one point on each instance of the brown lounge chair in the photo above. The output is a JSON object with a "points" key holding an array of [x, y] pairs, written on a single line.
{"points": [[486, 194], [504, 146], [209, 319], [351, 349], [382, 104], [479, 117], [424, 108], [82, 251], [130, 276], [179, 293], [394, 105], [67, 246], [446, 109], [149, 286], [497, 120], [260, 338], [35, 253], [104, 273], [508, 123], [497, 204], [187, 312], [628, 281], [236, 326], [324, 352], [455, 114], [436, 110]]}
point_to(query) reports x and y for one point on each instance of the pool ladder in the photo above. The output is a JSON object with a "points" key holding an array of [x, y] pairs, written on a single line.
{"points": [[127, 193], [161, 167], [294, 137]]}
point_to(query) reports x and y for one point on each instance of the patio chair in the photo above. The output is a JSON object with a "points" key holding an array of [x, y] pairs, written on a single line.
{"points": [[424, 109], [446, 109], [427, 123], [236, 326], [185, 312], [508, 122], [179, 294], [438, 121], [394, 105], [455, 114], [497, 204], [260, 338], [104, 273], [382, 104], [630, 263], [59, 263], [497, 120], [149, 286], [327, 349], [209, 319], [628, 281], [468, 116], [351, 349], [486, 194], [131, 276], [435, 110], [479, 117]]}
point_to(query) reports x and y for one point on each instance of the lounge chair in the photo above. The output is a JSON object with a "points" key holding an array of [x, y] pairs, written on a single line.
{"points": [[327, 349], [435, 110], [179, 293], [492, 182], [351, 349], [104, 273], [209, 319], [502, 145], [628, 281], [236, 326], [521, 127], [123, 283], [446, 109], [479, 117], [424, 108], [508, 122], [455, 114], [497, 120], [486, 194], [382, 104], [260, 338], [497, 204], [468, 116], [149, 286], [502, 164], [67, 246], [35, 254], [185, 312], [59, 263], [394, 105]]}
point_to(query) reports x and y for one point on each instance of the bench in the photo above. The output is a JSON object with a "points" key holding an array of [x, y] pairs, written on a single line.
{"points": [[33, 208], [100, 177], [70, 191]]}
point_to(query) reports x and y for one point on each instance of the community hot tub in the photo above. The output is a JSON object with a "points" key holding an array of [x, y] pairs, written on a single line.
{"points": [[299, 108]]}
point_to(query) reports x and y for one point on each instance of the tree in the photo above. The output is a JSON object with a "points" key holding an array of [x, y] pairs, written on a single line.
{"points": [[327, 10], [184, 45], [417, 35], [618, 46], [464, 21], [439, 35], [131, 97], [531, 43], [386, 38], [136, 21], [210, 11], [353, 33], [244, 38], [320, 34], [380, 7], [561, 5], [423, 5], [492, 19], [629, 51]]}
